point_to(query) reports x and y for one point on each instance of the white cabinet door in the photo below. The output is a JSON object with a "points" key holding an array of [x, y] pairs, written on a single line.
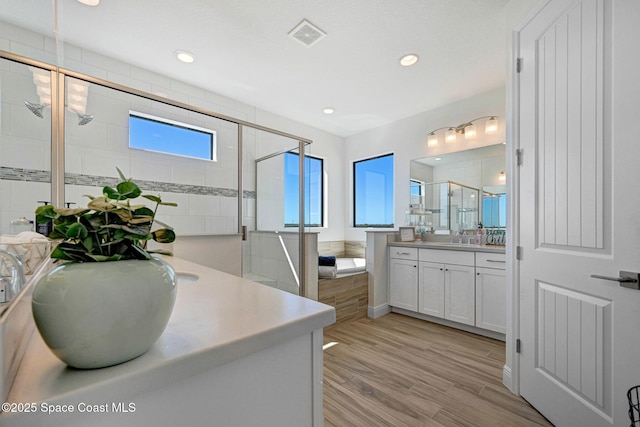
{"points": [[403, 284], [491, 301], [460, 291], [431, 289]]}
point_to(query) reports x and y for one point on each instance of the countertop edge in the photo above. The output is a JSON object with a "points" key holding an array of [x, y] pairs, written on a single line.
{"points": [[451, 247], [153, 369]]}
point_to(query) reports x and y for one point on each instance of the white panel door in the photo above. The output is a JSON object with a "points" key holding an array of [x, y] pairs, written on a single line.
{"points": [[431, 289], [491, 299], [403, 284], [579, 209], [460, 294]]}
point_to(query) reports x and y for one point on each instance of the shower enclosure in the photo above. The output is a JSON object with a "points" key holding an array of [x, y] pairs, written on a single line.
{"points": [[444, 207], [63, 133]]}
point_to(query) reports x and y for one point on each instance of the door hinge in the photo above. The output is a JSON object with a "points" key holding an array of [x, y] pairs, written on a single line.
{"points": [[518, 345], [519, 153], [518, 65], [519, 253]]}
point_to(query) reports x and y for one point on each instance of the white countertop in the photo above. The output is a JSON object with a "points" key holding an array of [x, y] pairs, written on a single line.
{"points": [[216, 319], [496, 249]]}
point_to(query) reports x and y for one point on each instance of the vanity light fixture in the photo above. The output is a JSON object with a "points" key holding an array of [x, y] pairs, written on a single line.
{"points": [[328, 110], [184, 56], [468, 129], [502, 177], [409, 59]]}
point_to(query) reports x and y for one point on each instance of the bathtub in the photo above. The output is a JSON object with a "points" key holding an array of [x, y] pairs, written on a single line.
{"points": [[347, 289], [350, 265], [343, 267]]}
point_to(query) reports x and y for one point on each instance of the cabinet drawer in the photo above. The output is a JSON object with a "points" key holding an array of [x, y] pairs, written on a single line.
{"points": [[447, 257], [489, 260], [403, 253]]}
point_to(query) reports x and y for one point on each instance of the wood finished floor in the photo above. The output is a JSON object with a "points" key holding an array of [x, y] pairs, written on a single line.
{"points": [[400, 371]]}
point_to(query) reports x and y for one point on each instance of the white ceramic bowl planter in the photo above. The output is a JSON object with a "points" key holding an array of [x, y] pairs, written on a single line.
{"points": [[98, 314]]}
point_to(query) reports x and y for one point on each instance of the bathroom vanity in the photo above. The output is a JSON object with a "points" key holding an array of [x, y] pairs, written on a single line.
{"points": [[234, 353], [459, 285]]}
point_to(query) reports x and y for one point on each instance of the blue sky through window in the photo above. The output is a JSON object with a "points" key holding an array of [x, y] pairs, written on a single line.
{"points": [[373, 192], [313, 190], [155, 134]]}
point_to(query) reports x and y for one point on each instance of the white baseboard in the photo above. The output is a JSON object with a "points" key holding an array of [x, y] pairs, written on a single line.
{"points": [[381, 310], [451, 324]]}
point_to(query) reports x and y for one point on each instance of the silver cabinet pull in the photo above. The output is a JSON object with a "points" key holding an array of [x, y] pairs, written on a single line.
{"points": [[627, 279], [496, 260], [404, 253]]}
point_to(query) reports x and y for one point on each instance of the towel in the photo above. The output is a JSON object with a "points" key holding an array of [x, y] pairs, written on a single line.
{"points": [[329, 261], [327, 272]]}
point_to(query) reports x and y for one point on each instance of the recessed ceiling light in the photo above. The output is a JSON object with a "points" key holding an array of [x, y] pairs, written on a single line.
{"points": [[329, 110], [409, 59], [185, 56], [90, 2], [438, 159]]}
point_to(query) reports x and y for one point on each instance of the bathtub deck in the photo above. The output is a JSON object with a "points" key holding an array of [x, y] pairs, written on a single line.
{"points": [[348, 294]]}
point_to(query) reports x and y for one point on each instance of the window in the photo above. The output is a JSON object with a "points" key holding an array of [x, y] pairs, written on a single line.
{"points": [[313, 190], [494, 210], [373, 192], [151, 133], [416, 191]]}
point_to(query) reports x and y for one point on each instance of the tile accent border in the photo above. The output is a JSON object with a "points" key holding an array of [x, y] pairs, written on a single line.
{"points": [[31, 175]]}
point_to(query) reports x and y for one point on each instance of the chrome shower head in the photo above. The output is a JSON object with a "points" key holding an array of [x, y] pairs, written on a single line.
{"points": [[35, 108], [83, 119]]}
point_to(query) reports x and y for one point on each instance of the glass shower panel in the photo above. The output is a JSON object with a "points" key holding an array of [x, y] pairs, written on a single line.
{"points": [[97, 141], [469, 212], [271, 251], [436, 201], [25, 141]]}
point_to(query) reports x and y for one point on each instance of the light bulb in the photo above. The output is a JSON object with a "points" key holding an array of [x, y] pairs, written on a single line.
{"points": [[470, 131], [491, 127], [450, 136]]}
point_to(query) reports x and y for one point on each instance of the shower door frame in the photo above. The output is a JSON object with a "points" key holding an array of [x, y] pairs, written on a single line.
{"points": [[58, 92]]}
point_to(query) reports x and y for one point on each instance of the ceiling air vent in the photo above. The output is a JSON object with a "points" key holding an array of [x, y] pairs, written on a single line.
{"points": [[307, 33]]}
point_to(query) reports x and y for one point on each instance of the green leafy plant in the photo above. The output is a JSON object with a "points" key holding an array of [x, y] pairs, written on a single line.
{"points": [[110, 228]]}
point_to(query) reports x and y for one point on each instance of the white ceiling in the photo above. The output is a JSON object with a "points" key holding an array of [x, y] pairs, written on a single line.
{"points": [[243, 51]]}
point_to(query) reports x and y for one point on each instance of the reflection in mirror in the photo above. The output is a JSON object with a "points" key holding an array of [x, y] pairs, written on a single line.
{"points": [[438, 207], [494, 210], [481, 168], [25, 141]]}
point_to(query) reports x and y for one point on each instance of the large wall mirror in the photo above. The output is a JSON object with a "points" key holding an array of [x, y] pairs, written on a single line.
{"points": [[482, 169]]}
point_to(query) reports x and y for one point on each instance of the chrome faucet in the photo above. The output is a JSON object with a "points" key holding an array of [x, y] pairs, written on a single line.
{"points": [[12, 277]]}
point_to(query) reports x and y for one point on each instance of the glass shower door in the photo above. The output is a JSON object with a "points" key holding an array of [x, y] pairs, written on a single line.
{"points": [[271, 187], [25, 141]]}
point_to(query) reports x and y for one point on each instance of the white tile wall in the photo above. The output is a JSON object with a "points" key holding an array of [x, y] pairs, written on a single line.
{"points": [[97, 148], [19, 199]]}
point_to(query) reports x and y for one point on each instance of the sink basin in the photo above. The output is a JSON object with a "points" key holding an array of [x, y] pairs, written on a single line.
{"points": [[186, 278]]}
